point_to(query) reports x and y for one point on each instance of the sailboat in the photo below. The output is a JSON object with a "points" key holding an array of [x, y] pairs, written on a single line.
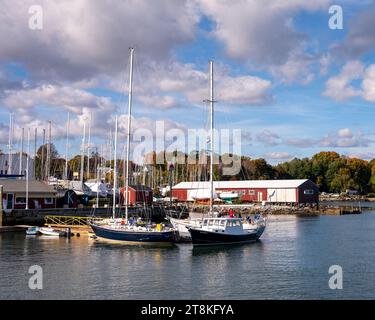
{"points": [[221, 230], [125, 230]]}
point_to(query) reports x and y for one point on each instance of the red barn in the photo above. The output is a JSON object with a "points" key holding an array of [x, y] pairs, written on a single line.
{"points": [[138, 194], [41, 195], [298, 191]]}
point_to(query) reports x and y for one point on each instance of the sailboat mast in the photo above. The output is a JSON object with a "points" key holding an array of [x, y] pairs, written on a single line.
{"points": [[27, 169], [115, 170], [83, 150], [35, 150], [88, 149], [130, 94], [212, 135], [48, 164], [21, 151], [67, 147], [10, 146]]}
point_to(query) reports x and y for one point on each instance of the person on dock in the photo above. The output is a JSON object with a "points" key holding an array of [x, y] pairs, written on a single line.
{"points": [[231, 213]]}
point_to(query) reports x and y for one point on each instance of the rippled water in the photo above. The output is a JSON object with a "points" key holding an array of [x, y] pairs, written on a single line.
{"points": [[291, 261]]}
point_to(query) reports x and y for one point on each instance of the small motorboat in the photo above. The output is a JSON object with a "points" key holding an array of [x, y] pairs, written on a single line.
{"points": [[48, 231], [32, 231], [229, 197], [220, 231]]}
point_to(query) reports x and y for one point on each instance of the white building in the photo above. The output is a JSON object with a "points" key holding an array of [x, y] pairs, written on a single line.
{"points": [[5, 169]]}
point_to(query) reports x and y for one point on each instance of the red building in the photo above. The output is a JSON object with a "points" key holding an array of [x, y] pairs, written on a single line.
{"points": [[41, 195], [299, 191], [138, 194]]}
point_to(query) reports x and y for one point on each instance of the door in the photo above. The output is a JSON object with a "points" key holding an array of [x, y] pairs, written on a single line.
{"points": [[10, 200], [260, 196]]}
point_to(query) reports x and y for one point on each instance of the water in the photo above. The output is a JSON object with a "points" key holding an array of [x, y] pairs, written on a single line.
{"points": [[290, 262]]}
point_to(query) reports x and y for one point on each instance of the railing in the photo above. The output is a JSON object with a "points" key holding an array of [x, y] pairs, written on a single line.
{"points": [[68, 220]]}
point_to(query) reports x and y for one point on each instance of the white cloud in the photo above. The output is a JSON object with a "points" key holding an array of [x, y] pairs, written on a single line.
{"points": [[345, 138], [268, 138], [278, 156], [262, 33], [360, 38], [368, 84], [172, 84], [83, 38], [339, 87], [61, 97]]}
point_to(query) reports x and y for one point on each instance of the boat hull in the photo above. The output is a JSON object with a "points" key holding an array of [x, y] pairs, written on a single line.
{"points": [[134, 236], [203, 237]]}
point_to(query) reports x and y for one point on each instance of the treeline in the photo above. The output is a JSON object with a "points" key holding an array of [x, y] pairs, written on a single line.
{"points": [[331, 171]]}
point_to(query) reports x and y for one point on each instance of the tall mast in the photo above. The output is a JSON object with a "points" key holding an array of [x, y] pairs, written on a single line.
{"points": [[98, 166], [212, 135], [35, 151], [115, 171], [88, 149], [10, 146], [130, 96], [21, 151], [42, 162], [67, 147], [27, 169], [83, 150], [48, 164]]}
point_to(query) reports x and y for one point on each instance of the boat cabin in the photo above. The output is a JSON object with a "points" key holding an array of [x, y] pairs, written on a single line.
{"points": [[232, 225]]}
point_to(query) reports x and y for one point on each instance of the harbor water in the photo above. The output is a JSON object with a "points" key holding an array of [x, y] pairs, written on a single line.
{"points": [[291, 261]]}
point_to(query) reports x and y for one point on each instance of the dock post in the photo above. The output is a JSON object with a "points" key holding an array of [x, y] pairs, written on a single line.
{"points": [[1, 205]]}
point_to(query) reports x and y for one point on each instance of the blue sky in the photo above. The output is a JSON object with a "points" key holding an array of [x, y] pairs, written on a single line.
{"points": [[291, 84]]}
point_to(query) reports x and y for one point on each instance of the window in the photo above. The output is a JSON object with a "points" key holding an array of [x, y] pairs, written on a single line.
{"points": [[20, 200], [1, 172], [308, 191], [48, 200], [251, 192]]}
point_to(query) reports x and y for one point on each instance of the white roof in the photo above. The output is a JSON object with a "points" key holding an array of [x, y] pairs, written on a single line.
{"points": [[247, 184]]}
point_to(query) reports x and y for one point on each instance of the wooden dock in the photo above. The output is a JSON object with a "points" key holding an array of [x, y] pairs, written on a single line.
{"points": [[18, 228]]}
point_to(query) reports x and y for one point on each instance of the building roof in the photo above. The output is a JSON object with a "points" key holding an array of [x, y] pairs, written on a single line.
{"points": [[277, 184], [139, 187], [15, 185]]}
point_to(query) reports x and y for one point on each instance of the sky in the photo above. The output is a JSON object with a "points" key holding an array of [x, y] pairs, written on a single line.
{"points": [[290, 83]]}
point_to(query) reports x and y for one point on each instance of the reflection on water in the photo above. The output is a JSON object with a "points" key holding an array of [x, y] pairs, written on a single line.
{"points": [[290, 261]]}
